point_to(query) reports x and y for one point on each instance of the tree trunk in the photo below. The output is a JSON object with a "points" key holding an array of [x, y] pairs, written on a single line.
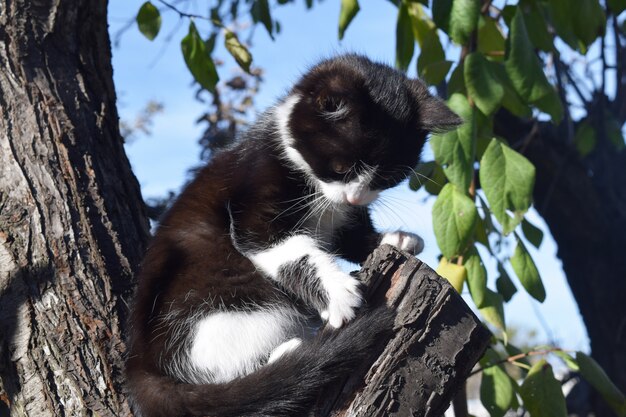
{"points": [[72, 222], [437, 340], [583, 201]]}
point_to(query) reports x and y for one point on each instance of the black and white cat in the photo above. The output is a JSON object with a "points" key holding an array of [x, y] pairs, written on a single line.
{"points": [[244, 264]]}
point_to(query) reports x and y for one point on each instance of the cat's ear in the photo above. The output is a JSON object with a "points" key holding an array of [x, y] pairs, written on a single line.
{"points": [[330, 102], [436, 117], [331, 90]]}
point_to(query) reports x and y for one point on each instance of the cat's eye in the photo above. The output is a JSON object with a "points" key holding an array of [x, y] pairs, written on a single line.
{"points": [[340, 168]]}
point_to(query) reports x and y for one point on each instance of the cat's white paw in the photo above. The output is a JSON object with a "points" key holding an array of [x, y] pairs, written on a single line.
{"points": [[406, 241], [344, 297]]}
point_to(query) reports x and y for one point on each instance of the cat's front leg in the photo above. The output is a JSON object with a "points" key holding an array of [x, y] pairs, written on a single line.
{"points": [[406, 241], [299, 265]]}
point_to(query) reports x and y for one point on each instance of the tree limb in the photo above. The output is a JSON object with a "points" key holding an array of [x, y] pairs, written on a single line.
{"points": [[436, 342]]}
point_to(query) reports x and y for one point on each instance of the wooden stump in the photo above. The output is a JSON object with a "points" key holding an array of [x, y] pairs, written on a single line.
{"points": [[436, 341]]}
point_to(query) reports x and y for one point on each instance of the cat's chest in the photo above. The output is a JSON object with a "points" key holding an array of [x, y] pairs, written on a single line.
{"points": [[323, 224]]}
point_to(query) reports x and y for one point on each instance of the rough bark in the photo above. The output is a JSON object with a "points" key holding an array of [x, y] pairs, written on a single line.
{"points": [[583, 201], [436, 341], [72, 222]]}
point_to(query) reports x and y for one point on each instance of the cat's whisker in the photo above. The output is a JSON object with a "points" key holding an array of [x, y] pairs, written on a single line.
{"points": [[407, 205], [315, 208], [303, 201], [418, 174], [390, 210]]}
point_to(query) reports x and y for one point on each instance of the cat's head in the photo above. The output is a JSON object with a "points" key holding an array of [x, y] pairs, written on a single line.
{"points": [[355, 127]]}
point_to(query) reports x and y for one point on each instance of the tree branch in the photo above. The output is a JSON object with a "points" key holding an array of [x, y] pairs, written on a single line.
{"points": [[436, 342]]}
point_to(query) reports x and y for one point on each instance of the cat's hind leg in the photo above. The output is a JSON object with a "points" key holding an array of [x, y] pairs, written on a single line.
{"points": [[231, 344]]}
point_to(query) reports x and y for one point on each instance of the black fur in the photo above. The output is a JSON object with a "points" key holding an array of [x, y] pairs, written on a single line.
{"points": [[350, 112], [300, 277], [282, 389]]}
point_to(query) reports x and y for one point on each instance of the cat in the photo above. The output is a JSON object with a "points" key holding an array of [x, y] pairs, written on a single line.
{"points": [[243, 267]]}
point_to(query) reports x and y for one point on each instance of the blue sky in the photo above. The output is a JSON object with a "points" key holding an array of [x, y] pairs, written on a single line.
{"points": [[145, 70]]}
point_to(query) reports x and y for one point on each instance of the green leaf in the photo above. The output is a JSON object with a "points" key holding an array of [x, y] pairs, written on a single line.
{"points": [[431, 51], [421, 174], [481, 233], [508, 12], [535, 21], [497, 391], [512, 350], [435, 73], [569, 361], [589, 22], [490, 357], [210, 43], [441, 13], [149, 20], [482, 142], [261, 13], [453, 150], [454, 217], [527, 272], [198, 60], [482, 85], [455, 274], [476, 276], [456, 84], [437, 180], [562, 17], [532, 233], [541, 392], [616, 6], [522, 64], [428, 174], [595, 375], [490, 38], [487, 213], [551, 104], [432, 66], [421, 23], [238, 51], [511, 100], [613, 131], [578, 26], [463, 20], [493, 309], [585, 138], [507, 179], [504, 285], [349, 9], [405, 42]]}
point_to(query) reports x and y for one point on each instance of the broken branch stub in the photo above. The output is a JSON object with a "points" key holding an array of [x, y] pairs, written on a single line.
{"points": [[435, 343]]}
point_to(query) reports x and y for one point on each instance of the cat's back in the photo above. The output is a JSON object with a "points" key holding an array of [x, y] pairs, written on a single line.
{"points": [[238, 173]]}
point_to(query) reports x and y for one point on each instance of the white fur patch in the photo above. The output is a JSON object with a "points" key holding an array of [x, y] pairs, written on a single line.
{"points": [[344, 297], [283, 114], [341, 288], [230, 344], [288, 346], [356, 192], [406, 241]]}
